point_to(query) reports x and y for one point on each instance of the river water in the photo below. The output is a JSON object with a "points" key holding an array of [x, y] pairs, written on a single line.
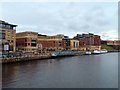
{"points": [[93, 71]]}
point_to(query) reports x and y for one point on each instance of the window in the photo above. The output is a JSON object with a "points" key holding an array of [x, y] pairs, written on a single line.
{"points": [[0, 25], [11, 27], [0, 46], [26, 40], [28, 44], [33, 44], [0, 35], [25, 44], [8, 26], [34, 40]]}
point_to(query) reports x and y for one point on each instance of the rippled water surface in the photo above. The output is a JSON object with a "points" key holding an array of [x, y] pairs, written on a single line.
{"points": [[94, 71]]}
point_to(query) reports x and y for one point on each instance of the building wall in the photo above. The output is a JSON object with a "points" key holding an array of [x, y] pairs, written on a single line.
{"points": [[95, 48], [4, 48], [51, 42], [66, 44], [27, 41], [74, 44], [113, 42], [88, 41], [97, 40], [9, 34], [103, 42], [70, 44]]}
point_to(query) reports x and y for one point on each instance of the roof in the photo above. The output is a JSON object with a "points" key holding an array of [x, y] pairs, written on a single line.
{"points": [[6, 23], [27, 32], [41, 35]]}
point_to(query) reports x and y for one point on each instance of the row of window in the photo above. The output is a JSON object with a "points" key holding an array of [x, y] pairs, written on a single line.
{"points": [[25, 44], [6, 26]]}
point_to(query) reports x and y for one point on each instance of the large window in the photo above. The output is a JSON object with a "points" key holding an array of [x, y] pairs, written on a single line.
{"points": [[2, 26], [8, 26], [33, 44], [34, 40]]}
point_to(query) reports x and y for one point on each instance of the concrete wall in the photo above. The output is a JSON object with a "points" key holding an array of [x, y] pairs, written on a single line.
{"points": [[21, 59]]}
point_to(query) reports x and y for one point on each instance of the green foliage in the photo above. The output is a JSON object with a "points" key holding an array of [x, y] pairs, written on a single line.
{"points": [[103, 46]]}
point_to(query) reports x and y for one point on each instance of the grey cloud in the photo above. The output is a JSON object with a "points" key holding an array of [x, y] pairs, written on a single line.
{"points": [[51, 18]]}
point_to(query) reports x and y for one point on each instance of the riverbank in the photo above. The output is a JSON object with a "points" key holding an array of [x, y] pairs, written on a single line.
{"points": [[38, 57], [41, 56], [27, 58]]}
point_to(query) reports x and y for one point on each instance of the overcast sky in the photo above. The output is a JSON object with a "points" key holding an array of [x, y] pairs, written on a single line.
{"points": [[68, 18]]}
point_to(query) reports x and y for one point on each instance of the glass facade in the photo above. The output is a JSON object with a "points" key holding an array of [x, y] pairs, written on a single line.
{"points": [[7, 26]]}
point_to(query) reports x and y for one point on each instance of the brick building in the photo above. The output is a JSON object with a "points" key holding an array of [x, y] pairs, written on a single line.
{"points": [[111, 42], [7, 37], [88, 41], [27, 41], [51, 43]]}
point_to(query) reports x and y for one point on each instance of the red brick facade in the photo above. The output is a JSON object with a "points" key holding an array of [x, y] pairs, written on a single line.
{"points": [[21, 42], [50, 43], [97, 40], [26, 41], [111, 42], [91, 40]]}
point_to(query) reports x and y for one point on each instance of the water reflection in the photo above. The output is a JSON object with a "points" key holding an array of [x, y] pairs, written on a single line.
{"points": [[95, 71]]}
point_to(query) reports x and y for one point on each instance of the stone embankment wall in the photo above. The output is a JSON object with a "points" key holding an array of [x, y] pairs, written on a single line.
{"points": [[25, 58]]}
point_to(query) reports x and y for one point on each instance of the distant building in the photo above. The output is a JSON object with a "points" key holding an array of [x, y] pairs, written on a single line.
{"points": [[51, 43], [110, 42], [27, 41], [7, 37], [70, 44], [88, 41]]}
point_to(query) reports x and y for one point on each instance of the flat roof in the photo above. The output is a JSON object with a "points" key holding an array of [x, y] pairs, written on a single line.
{"points": [[41, 35], [27, 32]]}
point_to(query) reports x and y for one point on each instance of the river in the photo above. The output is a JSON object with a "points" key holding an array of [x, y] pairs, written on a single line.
{"points": [[93, 71]]}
